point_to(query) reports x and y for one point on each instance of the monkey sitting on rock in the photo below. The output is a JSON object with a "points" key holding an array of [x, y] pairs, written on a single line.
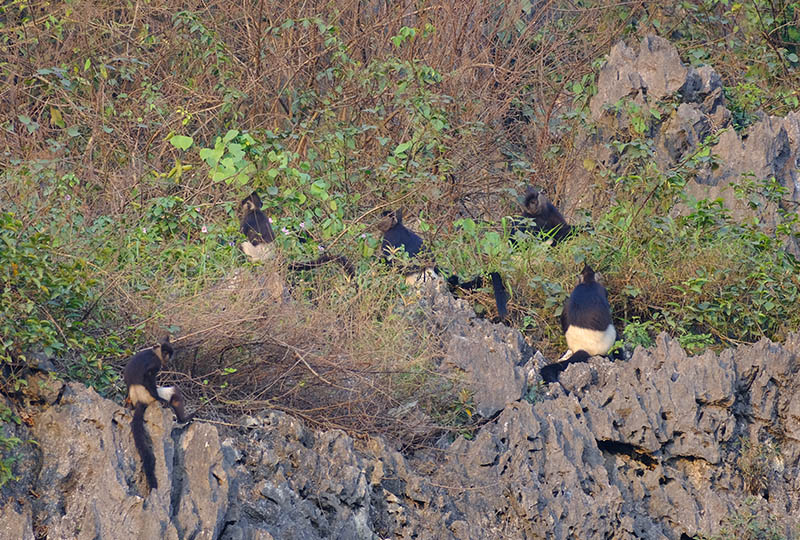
{"points": [[140, 377], [586, 322]]}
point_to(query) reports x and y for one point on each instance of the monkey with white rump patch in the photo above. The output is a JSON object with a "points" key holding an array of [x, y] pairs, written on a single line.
{"points": [[140, 377], [259, 247], [255, 226], [586, 322]]}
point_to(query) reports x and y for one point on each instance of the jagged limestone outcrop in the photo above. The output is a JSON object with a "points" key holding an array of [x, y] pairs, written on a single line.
{"points": [[653, 72], [88, 477], [654, 447]]}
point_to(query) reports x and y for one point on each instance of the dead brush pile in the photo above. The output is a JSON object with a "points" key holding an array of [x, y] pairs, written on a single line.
{"points": [[249, 343]]}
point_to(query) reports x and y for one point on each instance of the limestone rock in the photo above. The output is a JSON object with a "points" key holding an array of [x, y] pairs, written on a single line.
{"points": [[490, 356], [770, 147], [88, 485], [653, 447], [652, 73]]}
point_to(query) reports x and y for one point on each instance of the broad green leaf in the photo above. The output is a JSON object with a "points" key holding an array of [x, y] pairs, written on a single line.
{"points": [[182, 142], [55, 117], [402, 147]]}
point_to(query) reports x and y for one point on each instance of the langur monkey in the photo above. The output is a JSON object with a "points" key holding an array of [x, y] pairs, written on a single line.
{"points": [[397, 236], [255, 226], [546, 217], [258, 247], [586, 322], [140, 377]]}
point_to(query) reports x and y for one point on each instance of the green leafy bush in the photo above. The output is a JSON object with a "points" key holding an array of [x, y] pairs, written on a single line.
{"points": [[7, 445], [50, 296]]}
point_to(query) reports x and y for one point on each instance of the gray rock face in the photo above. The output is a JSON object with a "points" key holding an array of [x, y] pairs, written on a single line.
{"points": [[683, 132], [302, 485], [652, 73], [648, 449], [489, 357], [768, 148], [656, 447], [90, 484], [16, 520]]}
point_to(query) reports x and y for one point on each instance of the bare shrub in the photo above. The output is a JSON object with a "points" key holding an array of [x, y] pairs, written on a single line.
{"points": [[331, 358], [101, 88], [757, 464]]}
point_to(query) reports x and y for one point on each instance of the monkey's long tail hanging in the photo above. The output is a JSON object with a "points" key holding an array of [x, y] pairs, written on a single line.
{"points": [[500, 292], [324, 259], [500, 295], [139, 439]]}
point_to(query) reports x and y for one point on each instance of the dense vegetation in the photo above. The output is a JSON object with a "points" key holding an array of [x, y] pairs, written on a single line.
{"points": [[130, 133]]}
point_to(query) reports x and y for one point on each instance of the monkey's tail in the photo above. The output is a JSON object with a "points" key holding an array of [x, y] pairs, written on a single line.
{"points": [[561, 233], [500, 295], [140, 440], [324, 259], [500, 292], [454, 281], [551, 372]]}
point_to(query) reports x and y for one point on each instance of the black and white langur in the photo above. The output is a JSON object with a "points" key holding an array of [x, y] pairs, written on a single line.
{"points": [[545, 216], [140, 377], [586, 322], [396, 236], [255, 225]]}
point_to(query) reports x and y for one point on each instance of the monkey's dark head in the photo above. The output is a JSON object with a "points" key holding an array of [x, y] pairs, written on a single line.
{"points": [[535, 201], [587, 274], [389, 220], [251, 202], [163, 350]]}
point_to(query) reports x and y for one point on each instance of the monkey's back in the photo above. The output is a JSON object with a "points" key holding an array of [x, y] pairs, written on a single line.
{"points": [[587, 307], [140, 364], [400, 236], [256, 227]]}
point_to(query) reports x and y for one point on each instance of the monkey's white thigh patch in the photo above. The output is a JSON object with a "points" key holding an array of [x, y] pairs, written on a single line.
{"points": [[139, 394], [417, 279], [165, 392], [593, 342], [259, 252]]}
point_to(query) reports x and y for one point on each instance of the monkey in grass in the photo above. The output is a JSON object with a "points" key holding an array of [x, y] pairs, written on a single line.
{"points": [[255, 225], [545, 218], [397, 236]]}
